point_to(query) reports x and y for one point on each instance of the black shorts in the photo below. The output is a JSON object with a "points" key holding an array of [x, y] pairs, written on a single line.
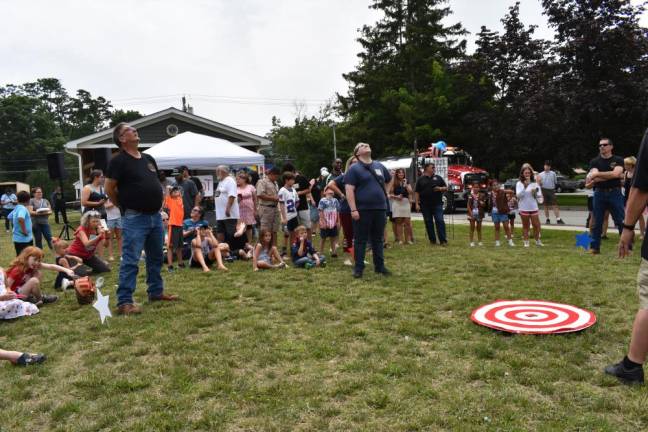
{"points": [[19, 246], [226, 226], [292, 224], [511, 216], [328, 232], [196, 264], [175, 237], [590, 203]]}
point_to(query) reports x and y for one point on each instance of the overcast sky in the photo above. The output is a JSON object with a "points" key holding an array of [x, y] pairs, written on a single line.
{"points": [[239, 62]]}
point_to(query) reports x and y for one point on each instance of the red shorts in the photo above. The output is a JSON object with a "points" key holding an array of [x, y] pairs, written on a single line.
{"points": [[528, 213]]}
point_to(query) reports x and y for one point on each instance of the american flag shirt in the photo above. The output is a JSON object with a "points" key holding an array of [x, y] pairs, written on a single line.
{"points": [[329, 208]]}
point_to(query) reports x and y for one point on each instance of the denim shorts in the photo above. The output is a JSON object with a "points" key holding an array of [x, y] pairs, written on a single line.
{"points": [[114, 223], [499, 217]]}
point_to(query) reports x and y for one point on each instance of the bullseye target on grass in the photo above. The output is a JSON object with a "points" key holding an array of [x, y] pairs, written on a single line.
{"points": [[533, 317]]}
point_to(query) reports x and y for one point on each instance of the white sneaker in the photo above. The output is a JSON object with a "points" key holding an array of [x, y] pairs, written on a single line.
{"points": [[480, 244], [526, 243], [497, 243], [539, 243], [347, 262], [510, 243], [472, 244]]}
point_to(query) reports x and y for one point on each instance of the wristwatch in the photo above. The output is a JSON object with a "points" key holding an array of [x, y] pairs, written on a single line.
{"points": [[628, 227]]}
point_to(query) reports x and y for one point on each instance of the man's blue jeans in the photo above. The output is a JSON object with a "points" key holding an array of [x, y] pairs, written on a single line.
{"points": [[370, 227], [433, 214], [611, 200], [140, 232]]}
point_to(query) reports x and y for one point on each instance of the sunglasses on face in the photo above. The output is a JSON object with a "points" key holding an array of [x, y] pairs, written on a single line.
{"points": [[604, 145]]}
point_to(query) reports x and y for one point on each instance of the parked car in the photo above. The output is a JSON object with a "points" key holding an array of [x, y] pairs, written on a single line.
{"points": [[567, 185], [510, 183]]}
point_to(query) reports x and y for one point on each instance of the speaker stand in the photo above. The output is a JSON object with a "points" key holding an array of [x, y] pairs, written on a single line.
{"points": [[66, 226]]}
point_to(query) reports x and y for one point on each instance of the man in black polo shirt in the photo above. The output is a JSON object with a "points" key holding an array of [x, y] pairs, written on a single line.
{"points": [[428, 196], [132, 181], [606, 172], [630, 369]]}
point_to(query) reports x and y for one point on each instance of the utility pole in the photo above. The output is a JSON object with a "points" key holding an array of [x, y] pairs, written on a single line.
{"points": [[334, 144]]}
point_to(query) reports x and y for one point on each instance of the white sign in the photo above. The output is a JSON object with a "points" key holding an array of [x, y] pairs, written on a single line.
{"points": [[208, 184], [440, 167]]}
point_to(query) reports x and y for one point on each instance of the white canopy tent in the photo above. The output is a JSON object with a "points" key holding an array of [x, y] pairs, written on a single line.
{"points": [[201, 152]]}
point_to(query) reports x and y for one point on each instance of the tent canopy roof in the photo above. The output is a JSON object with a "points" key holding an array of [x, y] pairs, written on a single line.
{"points": [[201, 152]]}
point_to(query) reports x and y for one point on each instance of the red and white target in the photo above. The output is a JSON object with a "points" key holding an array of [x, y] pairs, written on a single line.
{"points": [[533, 317]]}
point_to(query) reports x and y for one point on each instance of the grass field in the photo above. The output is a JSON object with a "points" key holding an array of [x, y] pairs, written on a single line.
{"points": [[571, 200], [317, 350]]}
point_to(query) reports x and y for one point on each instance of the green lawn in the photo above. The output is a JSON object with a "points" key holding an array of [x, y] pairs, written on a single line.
{"points": [[318, 350], [571, 200]]}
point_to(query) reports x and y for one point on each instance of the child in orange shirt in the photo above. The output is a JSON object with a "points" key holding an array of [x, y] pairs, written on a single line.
{"points": [[173, 203]]}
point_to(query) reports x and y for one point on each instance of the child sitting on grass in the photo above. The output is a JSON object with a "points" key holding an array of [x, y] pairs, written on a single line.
{"points": [[303, 254], [11, 306], [238, 243], [205, 250], [24, 276], [265, 254], [64, 260]]}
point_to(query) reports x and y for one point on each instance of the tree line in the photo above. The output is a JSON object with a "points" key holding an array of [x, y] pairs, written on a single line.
{"points": [[517, 98], [39, 117]]}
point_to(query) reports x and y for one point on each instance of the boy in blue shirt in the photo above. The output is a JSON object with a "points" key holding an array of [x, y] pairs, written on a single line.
{"points": [[22, 223], [303, 254]]}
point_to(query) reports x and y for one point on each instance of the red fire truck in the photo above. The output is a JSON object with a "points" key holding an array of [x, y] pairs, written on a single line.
{"points": [[461, 174]]}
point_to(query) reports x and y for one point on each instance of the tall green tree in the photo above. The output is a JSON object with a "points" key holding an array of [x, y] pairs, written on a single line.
{"points": [[602, 61], [401, 91]]}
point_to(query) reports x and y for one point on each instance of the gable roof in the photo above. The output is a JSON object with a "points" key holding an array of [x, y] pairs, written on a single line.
{"points": [[242, 137]]}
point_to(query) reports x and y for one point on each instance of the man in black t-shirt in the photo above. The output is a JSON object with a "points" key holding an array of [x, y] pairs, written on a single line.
{"points": [[428, 195], [630, 369], [606, 172], [132, 182]]}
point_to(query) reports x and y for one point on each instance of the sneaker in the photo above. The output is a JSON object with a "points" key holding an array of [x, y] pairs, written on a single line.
{"points": [[384, 272], [480, 244], [322, 264], [347, 262], [49, 298], [526, 243], [129, 309], [357, 275], [27, 359], [560, 222], [604, 237], [626, 376], [539, 243], [472, 244], [334, 255], [510, 243], [594, 252], [497, 243], [309, 266], [170, 269], [548, 222]]}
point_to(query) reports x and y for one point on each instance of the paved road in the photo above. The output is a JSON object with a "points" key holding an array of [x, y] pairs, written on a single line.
{"points": [[574, 220]]}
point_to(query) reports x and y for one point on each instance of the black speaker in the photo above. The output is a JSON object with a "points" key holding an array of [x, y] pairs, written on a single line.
{"points": [[101, 158], [56, 166]]}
